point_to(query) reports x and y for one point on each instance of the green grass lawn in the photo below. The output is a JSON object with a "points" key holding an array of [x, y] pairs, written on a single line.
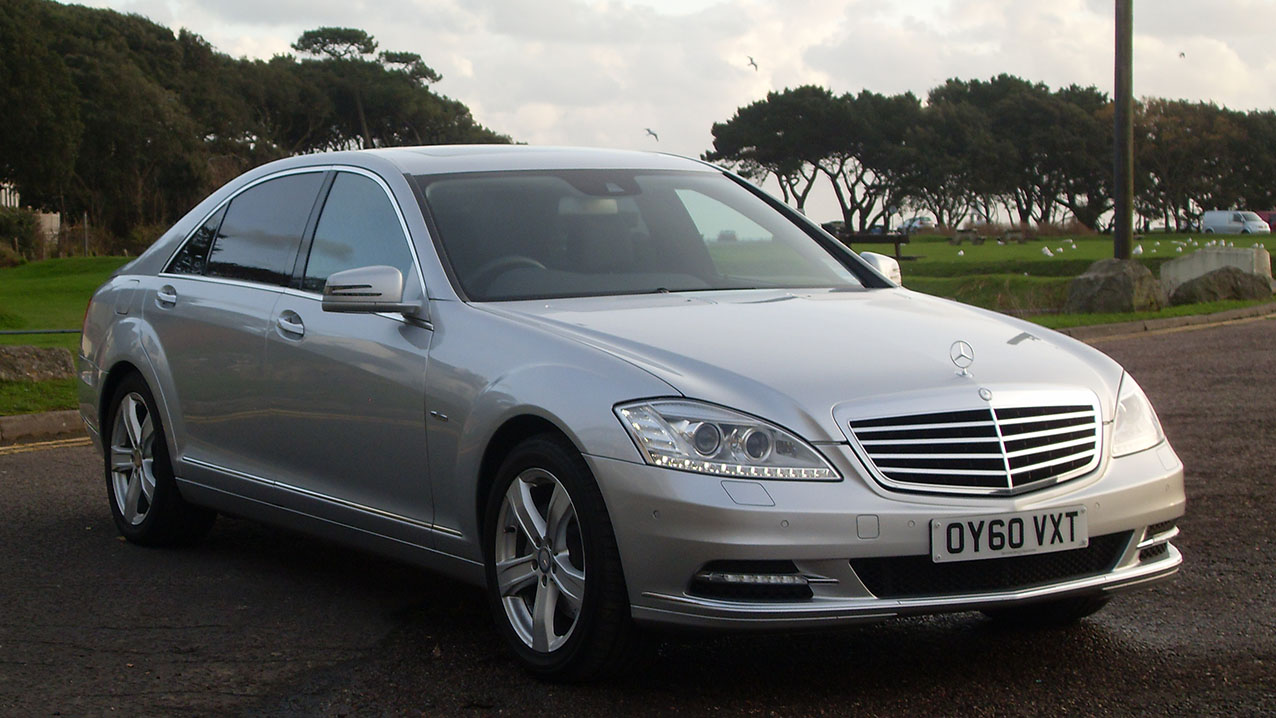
{"points": [[33, 397], [50, 295]]}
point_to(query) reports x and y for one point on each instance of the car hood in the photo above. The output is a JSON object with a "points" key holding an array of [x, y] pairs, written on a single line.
{"points": [[798, 358]]}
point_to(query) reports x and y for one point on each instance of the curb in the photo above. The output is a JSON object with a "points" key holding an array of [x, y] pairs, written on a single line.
{"points": [[30, 428], [1103, 331]]}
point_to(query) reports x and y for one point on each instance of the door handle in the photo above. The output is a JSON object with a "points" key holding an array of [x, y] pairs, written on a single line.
{"points": [[291, 323], [166, 296]]}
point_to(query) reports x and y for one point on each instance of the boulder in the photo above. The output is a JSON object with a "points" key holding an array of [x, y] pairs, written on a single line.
{"points": [[35, 363], [1115, 285], [1225, 283]]}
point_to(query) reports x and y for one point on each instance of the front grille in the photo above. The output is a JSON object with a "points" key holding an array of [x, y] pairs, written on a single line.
{"points": [[1001, 449], [1155, 552], [909, 576]]}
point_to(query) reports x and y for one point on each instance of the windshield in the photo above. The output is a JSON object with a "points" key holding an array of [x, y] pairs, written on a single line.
{"points": [[525, 235]]}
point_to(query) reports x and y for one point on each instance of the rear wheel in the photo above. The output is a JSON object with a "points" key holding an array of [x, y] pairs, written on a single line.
{"points": [[144, 499], [1059, 612], [554, 579]]}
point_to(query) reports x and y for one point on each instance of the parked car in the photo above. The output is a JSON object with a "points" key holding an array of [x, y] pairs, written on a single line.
{"points": [[920, 223], [1233, 222], [530, 370]]}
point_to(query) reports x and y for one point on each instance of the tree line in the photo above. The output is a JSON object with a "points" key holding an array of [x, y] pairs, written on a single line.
{"points": [[982, 149], [114, 116]]}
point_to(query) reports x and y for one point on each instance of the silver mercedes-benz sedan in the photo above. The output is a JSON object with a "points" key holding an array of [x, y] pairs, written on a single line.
{"points": [[619, 390]]}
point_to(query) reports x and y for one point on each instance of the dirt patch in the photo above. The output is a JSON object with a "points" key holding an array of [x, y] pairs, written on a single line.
{"points": [[35, 363]]}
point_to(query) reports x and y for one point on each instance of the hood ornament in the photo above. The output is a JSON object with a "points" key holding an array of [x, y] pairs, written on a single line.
{"points": [[963, 356]]}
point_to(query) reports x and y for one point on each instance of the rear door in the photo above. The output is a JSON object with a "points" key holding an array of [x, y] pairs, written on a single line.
{"points": [[347, 391], [210, 310]]}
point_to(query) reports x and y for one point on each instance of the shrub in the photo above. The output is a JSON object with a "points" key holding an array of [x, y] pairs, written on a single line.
{"points": [[10, 258], [20, 231]]}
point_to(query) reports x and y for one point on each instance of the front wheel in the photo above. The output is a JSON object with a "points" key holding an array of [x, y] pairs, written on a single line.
{"points": [[554, 578], [145, 503]]}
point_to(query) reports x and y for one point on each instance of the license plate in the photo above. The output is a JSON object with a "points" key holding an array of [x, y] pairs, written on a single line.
{"points": [[970, 538]]}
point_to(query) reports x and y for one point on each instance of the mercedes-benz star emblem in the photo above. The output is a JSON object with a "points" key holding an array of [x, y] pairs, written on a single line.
{"points": [[962, 355]]}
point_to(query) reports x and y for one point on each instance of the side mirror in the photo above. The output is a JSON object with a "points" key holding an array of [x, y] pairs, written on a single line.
{"points": [[885, 266], [367, 289]]}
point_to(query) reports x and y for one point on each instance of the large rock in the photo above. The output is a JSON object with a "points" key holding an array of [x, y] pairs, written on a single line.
{"points": [[35, 363], [1111, 286], [1254, 260], [1220, 284]]}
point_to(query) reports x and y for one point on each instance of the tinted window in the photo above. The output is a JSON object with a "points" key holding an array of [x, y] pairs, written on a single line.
{"points": [[259, 238], [194, 254], [522, 235], [358, 228]]}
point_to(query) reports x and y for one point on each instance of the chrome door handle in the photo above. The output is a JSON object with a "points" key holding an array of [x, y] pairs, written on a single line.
{"points": [[287, 324], [166, 296]]}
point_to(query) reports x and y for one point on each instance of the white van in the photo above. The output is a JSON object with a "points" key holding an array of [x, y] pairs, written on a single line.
{"points": [[1229, 221]]}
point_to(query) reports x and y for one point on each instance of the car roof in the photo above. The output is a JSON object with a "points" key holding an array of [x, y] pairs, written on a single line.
{"points": [[448, 159]]}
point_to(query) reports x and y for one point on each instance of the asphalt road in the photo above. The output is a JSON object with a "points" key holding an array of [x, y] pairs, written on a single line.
{"points": [[257, 621]]}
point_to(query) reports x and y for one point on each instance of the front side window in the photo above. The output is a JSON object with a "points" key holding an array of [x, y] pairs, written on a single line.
{"points": [[259, 237], [524, 235], [358, 228]]}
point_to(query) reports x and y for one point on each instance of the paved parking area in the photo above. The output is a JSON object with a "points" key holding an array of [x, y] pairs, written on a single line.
{"points": [[264, 622]]}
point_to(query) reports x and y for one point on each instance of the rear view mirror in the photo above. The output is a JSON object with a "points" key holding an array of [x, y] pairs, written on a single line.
{"points": [[367, 289], [885, 266]]}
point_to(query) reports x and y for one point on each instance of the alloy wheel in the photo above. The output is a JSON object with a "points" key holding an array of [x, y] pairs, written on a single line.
{"points": [[540, 560]]}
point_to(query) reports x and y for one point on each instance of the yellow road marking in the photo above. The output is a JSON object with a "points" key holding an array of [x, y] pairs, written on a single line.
{"points": [[45, 445]]}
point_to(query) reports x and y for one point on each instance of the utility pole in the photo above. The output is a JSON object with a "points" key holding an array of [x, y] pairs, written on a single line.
{"points": [[1123, 188]]}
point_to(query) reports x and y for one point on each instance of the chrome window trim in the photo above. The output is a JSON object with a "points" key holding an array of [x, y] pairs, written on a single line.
{"points": [[385, 187]]}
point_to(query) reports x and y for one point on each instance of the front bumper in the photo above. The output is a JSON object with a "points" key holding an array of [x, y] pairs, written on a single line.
{"points": [[670, 524]]}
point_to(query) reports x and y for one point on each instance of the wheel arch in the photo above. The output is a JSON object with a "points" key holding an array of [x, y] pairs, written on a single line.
{"points": [[510, 434]]}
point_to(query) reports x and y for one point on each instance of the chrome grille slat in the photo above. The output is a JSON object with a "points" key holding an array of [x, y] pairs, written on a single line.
{"points": [[997, 449]]}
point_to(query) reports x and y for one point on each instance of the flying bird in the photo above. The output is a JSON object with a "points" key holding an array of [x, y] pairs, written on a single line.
{"points": [[1182, 55], [752, 63], [653, 134]]}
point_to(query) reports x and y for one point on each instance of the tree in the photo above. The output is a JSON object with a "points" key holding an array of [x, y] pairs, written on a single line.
{"points": [[783, 136]]}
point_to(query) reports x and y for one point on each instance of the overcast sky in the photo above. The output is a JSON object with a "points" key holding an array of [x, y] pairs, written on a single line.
{"points": [[584, 72]]}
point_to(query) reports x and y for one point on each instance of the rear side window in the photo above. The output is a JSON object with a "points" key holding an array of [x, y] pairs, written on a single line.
{"points": [[358, 228], [194, 254], [262, 230]]}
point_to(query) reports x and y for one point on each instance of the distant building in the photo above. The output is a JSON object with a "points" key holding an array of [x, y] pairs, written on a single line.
{"points": [[9, 196]]}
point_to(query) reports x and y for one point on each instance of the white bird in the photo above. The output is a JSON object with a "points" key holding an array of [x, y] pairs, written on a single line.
{"points": [[1046, 251], [1178, 249], [653, 134], [752, 63], [961, 253], [1138, 249]]}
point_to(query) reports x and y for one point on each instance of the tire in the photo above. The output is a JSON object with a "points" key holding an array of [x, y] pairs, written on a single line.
{"points": [[1061, 612], [554, 578], [145, 503]]}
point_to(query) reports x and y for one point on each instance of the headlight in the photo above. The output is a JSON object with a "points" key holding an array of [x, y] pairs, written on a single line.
{"points": [[1136, 427], [708, 439]]}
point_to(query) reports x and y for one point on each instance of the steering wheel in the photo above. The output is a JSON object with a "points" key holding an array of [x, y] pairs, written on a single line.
{"points": [[491, 269]]}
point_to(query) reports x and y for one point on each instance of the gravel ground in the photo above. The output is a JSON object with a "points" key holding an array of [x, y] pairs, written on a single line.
{"points": [[257, 621]]}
